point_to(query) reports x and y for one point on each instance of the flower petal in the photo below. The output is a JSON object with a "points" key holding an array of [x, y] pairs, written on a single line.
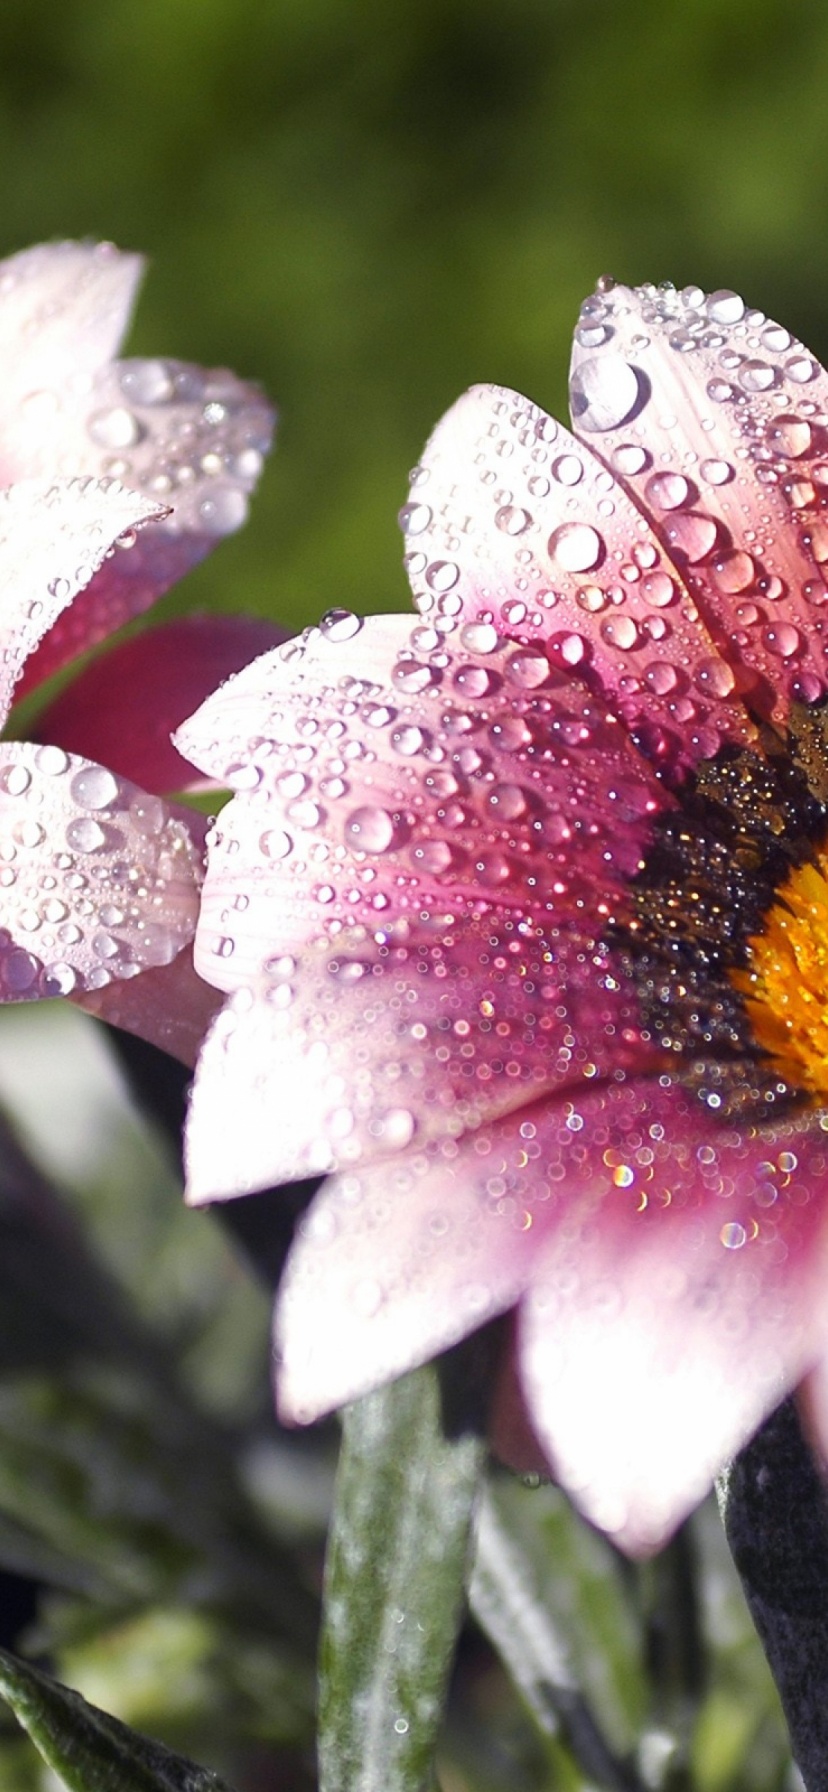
{"points": [[514, 521], [405, 1259], [123, 707], [677, 1305], [192, 440], [64, 308], [709, 414], [377, 785], [169, 1005], [358, 1050], [53, 537], [98, 879]]}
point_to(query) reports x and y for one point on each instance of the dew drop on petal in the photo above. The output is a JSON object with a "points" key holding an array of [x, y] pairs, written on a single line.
{"points": [[94, 787], [604, 392], [370, 829], [725, 307], [733, 572], [577, 547], [275, 843], [340, 625], [668, 491]]}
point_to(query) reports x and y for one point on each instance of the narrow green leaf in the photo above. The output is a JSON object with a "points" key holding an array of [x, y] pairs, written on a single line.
{"points": [[512, 1607], [395, 1577], [90, 1751]]}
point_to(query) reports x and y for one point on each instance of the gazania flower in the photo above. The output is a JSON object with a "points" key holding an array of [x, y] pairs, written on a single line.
{"points": [[99, 879], [523, 912]]}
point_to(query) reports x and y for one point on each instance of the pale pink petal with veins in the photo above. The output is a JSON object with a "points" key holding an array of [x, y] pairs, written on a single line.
{"points": [[656, 1337], [513, 521], [191, 440], [98, 880], [668, 1272], [361, 1049], [377, 785], [53, 536], [713, 416]]}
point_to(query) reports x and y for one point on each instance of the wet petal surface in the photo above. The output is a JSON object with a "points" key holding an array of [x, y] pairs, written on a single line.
{"points": [[98, 879], [53, 536], [725, 447], [512, 520]]}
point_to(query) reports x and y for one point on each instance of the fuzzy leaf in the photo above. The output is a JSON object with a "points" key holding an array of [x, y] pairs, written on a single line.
{"points": [[395, 1578], [90, 1751]]}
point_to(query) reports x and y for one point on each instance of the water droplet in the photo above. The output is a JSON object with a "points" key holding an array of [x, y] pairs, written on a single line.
{"points": [[340, 625], [629, 459], [783, 639], [529, 666], [370, 829], [442, 575], [85, 835], [661, 677], [732, 1235], [414, 518], [511, 520], [733, 572], [94, 787], [568, 469], [604, 392], [725, 307], [15, 779], [658, 589], [692, 534], [577, 547], [668, 491], [716, 472], [147, 382], [224, 510], [789, 435], [117, 428], [757, 376], [481, 637], [715, 677], [620, 631], [275, 843], [508, 801], [801, 369], [52, 761]]}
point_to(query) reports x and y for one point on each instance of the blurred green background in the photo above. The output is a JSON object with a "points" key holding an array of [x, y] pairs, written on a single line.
{"points": [[368, 207]]}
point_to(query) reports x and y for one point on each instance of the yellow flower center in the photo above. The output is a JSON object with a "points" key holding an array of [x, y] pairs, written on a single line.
{"points": [[785, 984]]}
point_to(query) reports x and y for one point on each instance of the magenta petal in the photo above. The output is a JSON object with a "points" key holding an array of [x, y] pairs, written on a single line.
{"points": [[193, 440], [64, 308], [676, 1306], [513, 523], [734, 481], [52, 539], [123, 707], [98, 880], [170, 1006]]}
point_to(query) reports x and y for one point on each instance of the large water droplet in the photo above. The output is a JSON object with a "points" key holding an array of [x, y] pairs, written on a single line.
{"points": [[577, 547], [604, 392], [340, 625], [370, 829], [725, 307], [94, 787]]}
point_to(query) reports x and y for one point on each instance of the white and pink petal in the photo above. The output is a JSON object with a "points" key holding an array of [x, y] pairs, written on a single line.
{"points": [[677, 1305], [713, 418], [98, 880], [53, 538], [378, 783], [192, 441], [366, 1046], [514, 525]]}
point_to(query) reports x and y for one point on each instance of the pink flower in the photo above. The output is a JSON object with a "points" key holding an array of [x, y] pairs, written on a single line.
{"points": [[523, 913], [99, 878]]}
